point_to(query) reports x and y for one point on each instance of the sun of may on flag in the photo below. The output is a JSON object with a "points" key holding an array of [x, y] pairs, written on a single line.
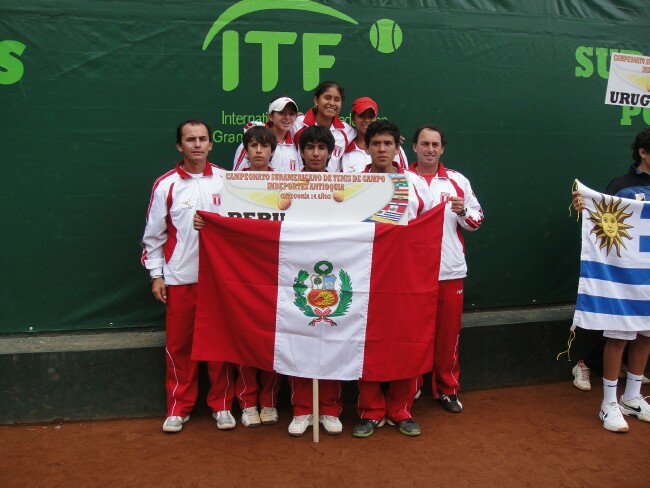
{"points": [[614, 286], [336, 301]]}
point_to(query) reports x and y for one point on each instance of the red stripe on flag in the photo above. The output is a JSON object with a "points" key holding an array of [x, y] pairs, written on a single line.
{"points": [[170, 244], [403, 298], [242, 332], [236, 307]]}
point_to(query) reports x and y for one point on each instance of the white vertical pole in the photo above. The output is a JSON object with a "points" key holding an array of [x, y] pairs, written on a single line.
{"points": [[315, 408]]}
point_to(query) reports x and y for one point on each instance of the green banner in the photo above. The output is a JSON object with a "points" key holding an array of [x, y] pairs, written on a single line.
{"points": [[91, 93]]}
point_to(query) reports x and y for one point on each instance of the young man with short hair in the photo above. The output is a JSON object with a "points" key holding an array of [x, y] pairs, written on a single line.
{"points": [[316, 146], [253, 385], [374, 407], [259, 145], [316, 149], [171, 254]]}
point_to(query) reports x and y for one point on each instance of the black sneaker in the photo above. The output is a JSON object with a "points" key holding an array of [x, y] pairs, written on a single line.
{"points": [[451, 403], [408, 427], [365, 427]]}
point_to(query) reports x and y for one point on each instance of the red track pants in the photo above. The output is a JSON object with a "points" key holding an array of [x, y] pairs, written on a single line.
{"points": [[249, 387], [182, 372], [329, 396], [395, 404], [446, 369]]}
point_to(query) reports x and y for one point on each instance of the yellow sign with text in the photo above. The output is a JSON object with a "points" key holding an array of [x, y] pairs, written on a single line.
{"points": [[316, 197]]}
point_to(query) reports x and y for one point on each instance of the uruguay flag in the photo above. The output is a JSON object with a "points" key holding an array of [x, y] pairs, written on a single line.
{"points": [[614, 286]]}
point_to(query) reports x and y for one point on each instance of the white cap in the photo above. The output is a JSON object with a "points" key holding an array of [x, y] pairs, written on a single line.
{"points": [[278, 104]]}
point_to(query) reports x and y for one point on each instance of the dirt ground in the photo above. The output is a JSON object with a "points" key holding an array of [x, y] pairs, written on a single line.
{"points": [[546, 436]]}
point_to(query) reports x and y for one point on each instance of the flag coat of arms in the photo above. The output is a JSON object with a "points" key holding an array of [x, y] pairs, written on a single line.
{"points": [[614, 286], [337, 301]]}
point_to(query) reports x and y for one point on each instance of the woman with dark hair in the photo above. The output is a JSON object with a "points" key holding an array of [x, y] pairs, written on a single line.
{"points": [[328, 98], [282, 115], [356, 159]]}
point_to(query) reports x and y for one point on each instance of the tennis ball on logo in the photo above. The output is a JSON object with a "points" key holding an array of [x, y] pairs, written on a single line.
{"points": [[385, 36], [338, 196]]}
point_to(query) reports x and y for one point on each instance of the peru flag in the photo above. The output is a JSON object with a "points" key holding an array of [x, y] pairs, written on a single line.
{"points": [[336, 301]]}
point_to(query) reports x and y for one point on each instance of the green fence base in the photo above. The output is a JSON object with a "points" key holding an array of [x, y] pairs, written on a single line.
{"points": [[121, 374]]}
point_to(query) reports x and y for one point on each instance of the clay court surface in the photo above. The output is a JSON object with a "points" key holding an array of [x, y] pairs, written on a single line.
{"points": [[547, 436]]}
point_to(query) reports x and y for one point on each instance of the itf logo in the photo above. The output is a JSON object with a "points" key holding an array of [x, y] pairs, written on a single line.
{"points": [[385, 37]]}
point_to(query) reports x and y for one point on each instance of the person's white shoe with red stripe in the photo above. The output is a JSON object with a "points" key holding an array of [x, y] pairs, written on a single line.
{"points": [[581, 376]]}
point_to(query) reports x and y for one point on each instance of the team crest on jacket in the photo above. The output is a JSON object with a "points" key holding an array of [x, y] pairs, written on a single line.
{"points": [[319, 301]]}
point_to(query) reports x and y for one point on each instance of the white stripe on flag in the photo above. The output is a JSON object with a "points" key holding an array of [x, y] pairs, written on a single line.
{"points": [[599, 321], [605, 289], [339, 348]]}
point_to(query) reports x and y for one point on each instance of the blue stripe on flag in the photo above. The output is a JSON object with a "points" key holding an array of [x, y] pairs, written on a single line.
{"points": [[607, 272], [645, 211], [612, 306], [644, 243]]}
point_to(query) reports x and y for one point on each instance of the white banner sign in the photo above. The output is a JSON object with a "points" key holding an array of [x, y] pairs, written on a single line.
{"points": [[629, 80], [307, 197]]}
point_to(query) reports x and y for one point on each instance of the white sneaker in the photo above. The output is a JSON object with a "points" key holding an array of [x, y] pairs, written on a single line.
{"points": [[612, 418], [225, 420], [250, 417], [331, 424], [636, 407], [269, 415], [299, 424], [581, 376], [174, 423]]}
